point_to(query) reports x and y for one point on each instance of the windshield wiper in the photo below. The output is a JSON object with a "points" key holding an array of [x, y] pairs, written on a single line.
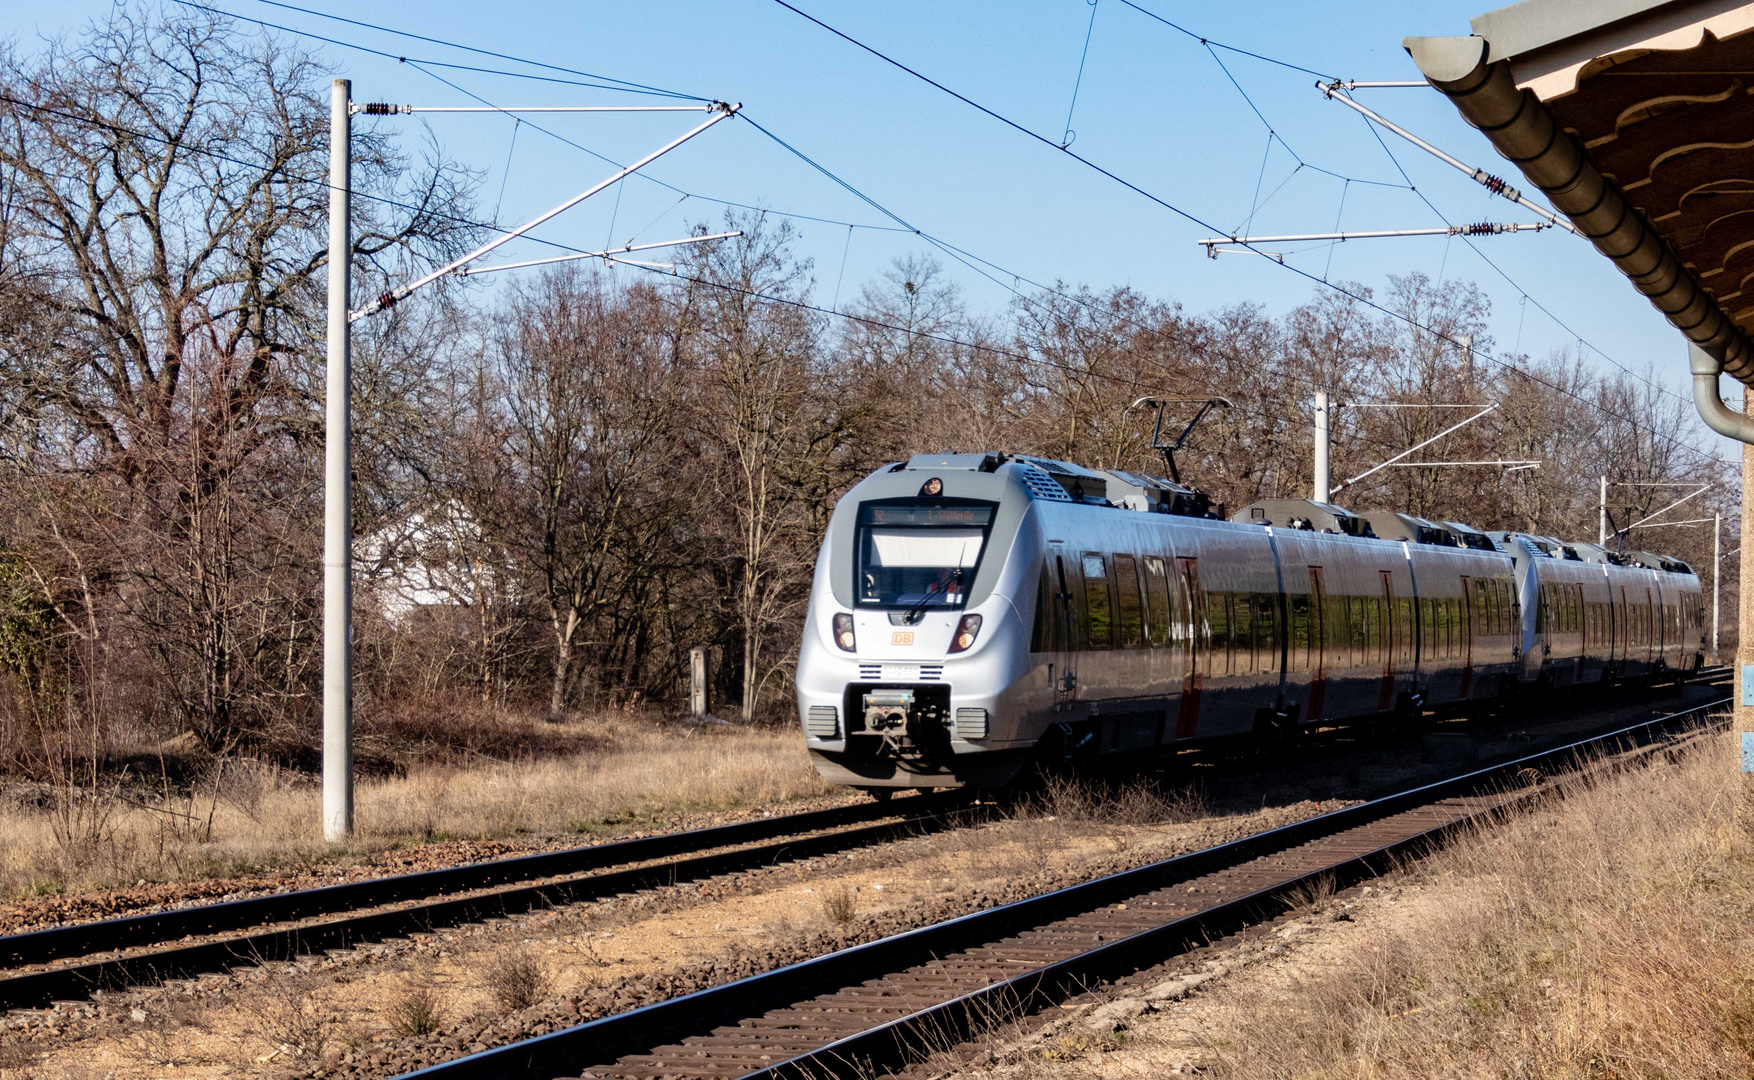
{"points": [[914, 613]]}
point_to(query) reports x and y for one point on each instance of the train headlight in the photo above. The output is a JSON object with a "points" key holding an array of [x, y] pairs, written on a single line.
{"points": [[843, 632], [966, 631]]}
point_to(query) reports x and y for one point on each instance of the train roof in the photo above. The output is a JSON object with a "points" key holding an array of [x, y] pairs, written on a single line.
{"points": [[1064, 481]]}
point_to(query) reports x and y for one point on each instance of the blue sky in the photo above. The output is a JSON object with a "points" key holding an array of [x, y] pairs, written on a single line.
{"points": [[1154, 106]]}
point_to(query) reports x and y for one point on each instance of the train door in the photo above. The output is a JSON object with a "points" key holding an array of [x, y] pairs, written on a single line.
{"points": [[1065, 677], [1466, 614], [1192, 643], [1385, 694], [1318, 666]]}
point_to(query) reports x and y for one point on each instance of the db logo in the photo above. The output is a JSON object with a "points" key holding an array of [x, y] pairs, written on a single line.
{"points": [[902, 637]]}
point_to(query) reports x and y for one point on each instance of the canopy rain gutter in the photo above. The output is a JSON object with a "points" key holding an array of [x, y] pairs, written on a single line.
{"points": [[1525, 131]]}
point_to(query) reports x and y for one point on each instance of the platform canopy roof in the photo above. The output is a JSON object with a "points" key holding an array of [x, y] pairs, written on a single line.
{"points": [[1636, 118]]}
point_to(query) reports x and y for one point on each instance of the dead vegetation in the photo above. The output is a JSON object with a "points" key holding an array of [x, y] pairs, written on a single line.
{"points": [[516, 977], [256, 815], [288, 1015], [1606, 936], [420, 1007], [1602, 936], [840, 904]]}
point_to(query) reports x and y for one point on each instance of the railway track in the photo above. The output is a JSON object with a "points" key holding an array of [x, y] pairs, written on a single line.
{"points": [[191, 941], [40, 967], [870, 1008]]}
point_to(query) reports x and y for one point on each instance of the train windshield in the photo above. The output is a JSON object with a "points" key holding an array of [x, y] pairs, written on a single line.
{"points": [[915, 554]]}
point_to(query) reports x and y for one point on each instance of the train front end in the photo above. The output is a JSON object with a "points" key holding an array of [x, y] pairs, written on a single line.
{"points": [[915, 668]]}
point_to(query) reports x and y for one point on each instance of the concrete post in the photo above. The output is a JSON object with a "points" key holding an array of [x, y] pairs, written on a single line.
{"points": [[1321, 487], [338, 488], [700, 701], [1602, 514]]}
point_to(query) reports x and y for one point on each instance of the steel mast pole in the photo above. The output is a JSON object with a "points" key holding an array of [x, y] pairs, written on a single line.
{"points": [[1717, 573], [338, 488], [1321, 446]]}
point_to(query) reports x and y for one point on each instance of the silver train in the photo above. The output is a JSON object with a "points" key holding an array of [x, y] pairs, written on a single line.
{"points": [[970, 611]]}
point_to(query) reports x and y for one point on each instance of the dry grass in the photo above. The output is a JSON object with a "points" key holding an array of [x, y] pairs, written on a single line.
{"points": [[288, 1016], [254, 816], [1606, 937], [840, 904], [1123, 801], [516, 978], [418, 1008]]}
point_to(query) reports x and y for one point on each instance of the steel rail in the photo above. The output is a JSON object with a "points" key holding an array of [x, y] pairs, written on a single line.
{"points": [[602, 1042], [41, 987]]}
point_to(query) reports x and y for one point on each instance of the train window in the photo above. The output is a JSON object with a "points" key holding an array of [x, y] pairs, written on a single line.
{"points": [[1374, 638], [1242, 635], [1385, 655], [1403, 630], [1046, 638], [1267, 630], [1218, 616], [1298, 605], [1354, 629], [1157, 600], [913, 555], [1099, 615], [1129, 619]]}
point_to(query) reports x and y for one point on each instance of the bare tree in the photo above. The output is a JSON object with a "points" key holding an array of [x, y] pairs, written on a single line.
{"points": [[163, 244], [592, 394], [764, 411]]}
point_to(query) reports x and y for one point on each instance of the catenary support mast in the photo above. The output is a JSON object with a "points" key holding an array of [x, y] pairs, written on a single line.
{"points": [[338, 488]]}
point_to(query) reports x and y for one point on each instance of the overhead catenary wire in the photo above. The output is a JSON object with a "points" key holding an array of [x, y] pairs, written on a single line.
{"points": [[1204, 40], [602, 83], [421, 65], [1066, 139], [1293, 418], [1496, 185], [724, 112], [1195, 219], [1524, 293], [961, 256], [951, 247], [1330, 84]]}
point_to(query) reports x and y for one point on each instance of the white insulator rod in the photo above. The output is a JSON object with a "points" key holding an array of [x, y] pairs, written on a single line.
{"points": [[1662, 524], [1690, 495], [401, 292], [468, 270], [1354, 84], [1490, 228], [1411, 449], [382, 109], [1480, 176], [1456, 464]]}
